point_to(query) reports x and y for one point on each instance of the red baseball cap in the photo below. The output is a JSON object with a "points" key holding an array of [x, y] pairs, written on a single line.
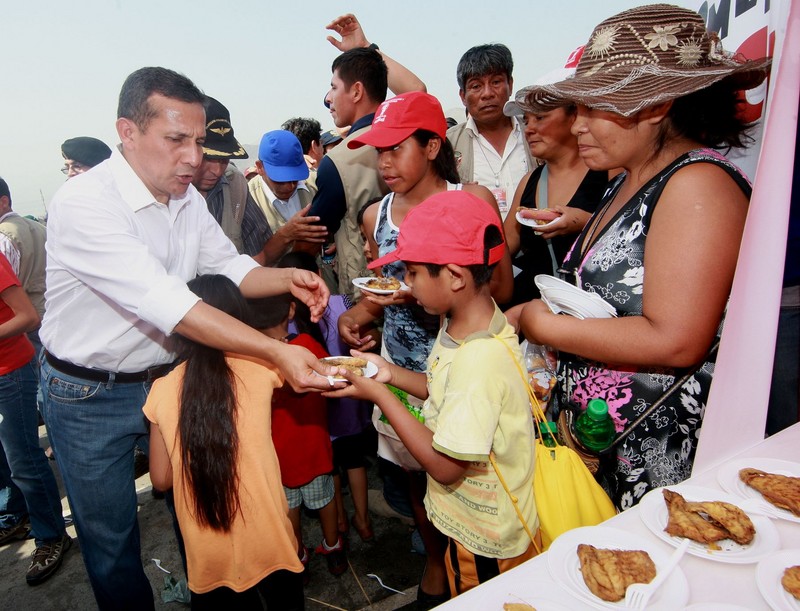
{"points": [[399, 117], [446, 228]]}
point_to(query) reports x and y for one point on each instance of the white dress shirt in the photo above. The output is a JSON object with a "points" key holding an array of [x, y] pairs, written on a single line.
{"points": [[496, 172], [117, 266], [286, 208]]}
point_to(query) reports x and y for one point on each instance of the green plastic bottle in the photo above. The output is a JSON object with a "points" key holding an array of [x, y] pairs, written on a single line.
{"points": [[594, 428], [548, 431]]}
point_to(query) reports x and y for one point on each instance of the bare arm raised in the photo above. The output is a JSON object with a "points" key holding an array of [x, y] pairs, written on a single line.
{"points": [[401, 79]]}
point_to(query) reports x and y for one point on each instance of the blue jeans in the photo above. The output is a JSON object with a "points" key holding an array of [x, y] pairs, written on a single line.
{"points": [[93, 427], [28, 484]]}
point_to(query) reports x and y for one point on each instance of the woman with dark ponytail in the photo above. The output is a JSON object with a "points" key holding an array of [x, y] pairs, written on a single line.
{"points": [[210, 441]]}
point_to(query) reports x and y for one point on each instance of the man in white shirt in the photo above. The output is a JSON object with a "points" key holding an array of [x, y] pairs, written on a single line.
{"points": [[490, 147], [123, 240]]}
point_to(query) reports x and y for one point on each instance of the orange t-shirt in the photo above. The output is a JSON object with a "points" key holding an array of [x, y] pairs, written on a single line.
{"points": [[261, 540]]}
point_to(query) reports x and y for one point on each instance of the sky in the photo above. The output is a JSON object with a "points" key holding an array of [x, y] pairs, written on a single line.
{"points": [[62, 63]]}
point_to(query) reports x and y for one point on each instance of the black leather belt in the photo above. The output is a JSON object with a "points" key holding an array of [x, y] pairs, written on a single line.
{"points": [[98, 375]]}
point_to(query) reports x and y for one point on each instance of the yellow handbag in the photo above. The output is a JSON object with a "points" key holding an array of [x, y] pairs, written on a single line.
{"points": [[565, 492]]}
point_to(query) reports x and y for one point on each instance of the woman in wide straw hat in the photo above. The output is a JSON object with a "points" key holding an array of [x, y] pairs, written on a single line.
{"points": [[656, 96]]}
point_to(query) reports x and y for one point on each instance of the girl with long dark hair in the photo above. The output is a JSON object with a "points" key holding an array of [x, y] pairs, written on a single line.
{"points": [[210, 441]]}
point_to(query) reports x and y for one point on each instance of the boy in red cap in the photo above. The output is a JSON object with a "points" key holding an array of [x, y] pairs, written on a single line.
{"points": [[476, 401]]}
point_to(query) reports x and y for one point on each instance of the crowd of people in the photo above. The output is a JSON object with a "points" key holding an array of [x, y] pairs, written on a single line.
{"points": [[186, 305]]}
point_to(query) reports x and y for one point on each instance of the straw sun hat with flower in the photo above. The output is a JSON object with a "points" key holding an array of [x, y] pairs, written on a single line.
{"points": [[644, 56]]}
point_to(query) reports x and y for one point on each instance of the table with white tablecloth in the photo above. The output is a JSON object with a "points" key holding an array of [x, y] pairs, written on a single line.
{"points": [[709, 581]]}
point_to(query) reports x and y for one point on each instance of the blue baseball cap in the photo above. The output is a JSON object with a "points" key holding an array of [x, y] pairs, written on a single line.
{"points": [[282, 155]]}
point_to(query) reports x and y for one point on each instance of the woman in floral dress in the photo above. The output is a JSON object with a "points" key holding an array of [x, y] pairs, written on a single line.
{"points": [[656, 96]]}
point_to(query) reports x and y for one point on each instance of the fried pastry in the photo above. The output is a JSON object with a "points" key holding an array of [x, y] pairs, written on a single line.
{"points": [[609, 572], [732, 519], [351, 363], [791, 581], [780, 490], [383, 284], [517, 607], [707, 522]]}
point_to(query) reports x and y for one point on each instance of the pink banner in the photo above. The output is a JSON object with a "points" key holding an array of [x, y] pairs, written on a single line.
{"points": [[736, 412]]}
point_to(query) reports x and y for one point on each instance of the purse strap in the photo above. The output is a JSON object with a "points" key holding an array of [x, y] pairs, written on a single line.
{"points": [[541, 204], [538, 417], [677, 383]]}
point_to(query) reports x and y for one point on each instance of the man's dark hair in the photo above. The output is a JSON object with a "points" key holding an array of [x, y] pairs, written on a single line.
{"points": [[481, 272], [365, 66], [483, 60], [5, 191], [140, 85], [307, 131]]}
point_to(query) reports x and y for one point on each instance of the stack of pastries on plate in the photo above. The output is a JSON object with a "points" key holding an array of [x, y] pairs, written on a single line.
{"points": [[609, 572], [791, 581], [353, 364], [381, 283], [780, 490], [707, 521]]}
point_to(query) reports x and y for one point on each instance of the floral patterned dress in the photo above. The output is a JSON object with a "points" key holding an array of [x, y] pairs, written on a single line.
{"points": [[659, 451]]}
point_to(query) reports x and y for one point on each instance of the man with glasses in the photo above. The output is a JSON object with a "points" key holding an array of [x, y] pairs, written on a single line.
{"points": [[82, 154]]}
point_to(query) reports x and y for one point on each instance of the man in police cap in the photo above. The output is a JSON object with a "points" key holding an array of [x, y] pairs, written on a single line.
{"points": [[229, 201], [83, 153]]}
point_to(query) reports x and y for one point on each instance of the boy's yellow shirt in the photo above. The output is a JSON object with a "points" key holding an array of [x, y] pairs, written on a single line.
{"points": [[478, 402]]}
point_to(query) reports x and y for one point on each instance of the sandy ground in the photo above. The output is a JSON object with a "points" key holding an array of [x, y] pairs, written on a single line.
{"points": [[389, 556]]}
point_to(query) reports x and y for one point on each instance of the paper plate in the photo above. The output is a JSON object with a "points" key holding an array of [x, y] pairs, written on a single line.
{"points": [[654, 513], [768, 577], [564, 566], [533, 224], [563, 297], [369, 371], [361, 284], [728, 478]]}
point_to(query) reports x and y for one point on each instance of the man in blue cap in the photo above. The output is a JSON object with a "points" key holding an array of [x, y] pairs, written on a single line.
{"points": [[280, 189]]}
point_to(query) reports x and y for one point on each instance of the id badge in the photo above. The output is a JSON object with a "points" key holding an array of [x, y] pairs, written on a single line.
{"points": [[500, 195]]}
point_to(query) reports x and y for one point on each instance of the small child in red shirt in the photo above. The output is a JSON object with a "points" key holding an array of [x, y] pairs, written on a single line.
{"points": [[301, 438]]}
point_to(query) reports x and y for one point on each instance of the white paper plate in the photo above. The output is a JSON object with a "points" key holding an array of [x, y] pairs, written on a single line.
{"points": [[532, 223], [564, 566], [654, 513], [361, 284], [728, 478], [715, 607], [768, 577], [564, 297], [369, 371], [538, 594]]}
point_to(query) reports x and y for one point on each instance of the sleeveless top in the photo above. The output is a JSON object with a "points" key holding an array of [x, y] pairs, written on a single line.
{"points": [[660, 451], [408, 331], [534, 257]]}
